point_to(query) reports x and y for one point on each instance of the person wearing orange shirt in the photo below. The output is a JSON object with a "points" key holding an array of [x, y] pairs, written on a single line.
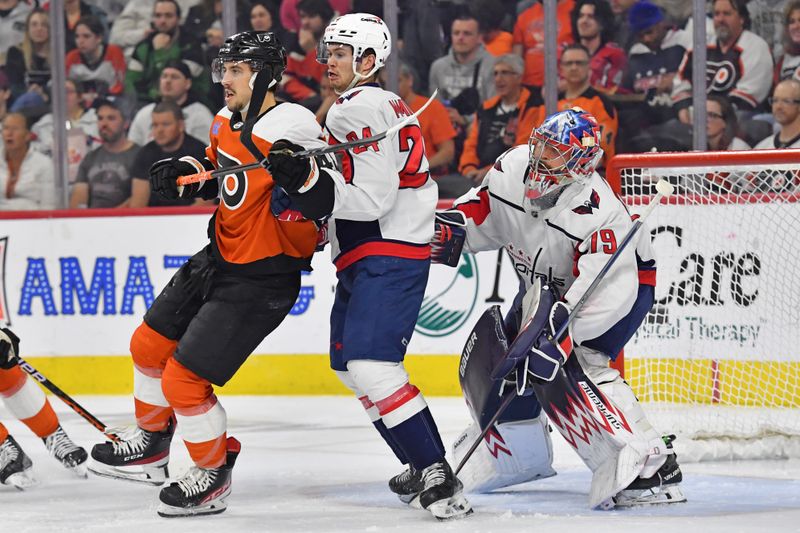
{"points": [[503, 121], [578, 92], [529, 38], [497, 41], [226, 298]]}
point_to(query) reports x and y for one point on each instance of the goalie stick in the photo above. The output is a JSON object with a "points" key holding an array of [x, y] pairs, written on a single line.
{"points": [[66, 398], [341, 147], [664, 190]]}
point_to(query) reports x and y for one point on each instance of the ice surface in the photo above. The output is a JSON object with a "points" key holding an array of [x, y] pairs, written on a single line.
{"points": [[315, 464]]}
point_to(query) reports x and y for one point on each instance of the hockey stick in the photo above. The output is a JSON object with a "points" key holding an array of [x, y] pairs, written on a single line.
{"points": [[664, 190], [66, 398], [341, 147]]}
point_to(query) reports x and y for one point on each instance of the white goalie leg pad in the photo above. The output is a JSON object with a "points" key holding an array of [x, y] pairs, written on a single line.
{"points": [[25, 399], [641, 451], [369, 407], [512, 453], [386, 385]]}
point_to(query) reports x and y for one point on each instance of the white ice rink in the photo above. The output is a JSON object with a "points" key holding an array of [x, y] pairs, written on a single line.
{"points": [[315, 464]]}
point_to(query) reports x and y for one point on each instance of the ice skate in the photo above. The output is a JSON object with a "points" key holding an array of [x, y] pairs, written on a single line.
{"points": [[15, 467], [201, 490], [442, 493], [408, 484], [662, 487], [72, 456], [141, 456]]}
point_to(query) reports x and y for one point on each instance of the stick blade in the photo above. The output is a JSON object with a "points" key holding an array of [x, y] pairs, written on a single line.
{"points": [[664, 188]]}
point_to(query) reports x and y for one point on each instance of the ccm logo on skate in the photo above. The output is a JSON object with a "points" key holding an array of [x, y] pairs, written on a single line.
{"points": [[467, 351], [132, 457]]}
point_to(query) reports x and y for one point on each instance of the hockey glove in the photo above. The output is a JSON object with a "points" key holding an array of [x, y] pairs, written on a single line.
{"points": [[294, 174], [547, 354], [448, 237], [9, 349], [282, 206], [164, 175]]}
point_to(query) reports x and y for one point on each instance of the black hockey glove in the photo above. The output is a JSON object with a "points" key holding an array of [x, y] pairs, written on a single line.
{"points": [[448, 237], [9, 349], [291, 173], [164, 175]]}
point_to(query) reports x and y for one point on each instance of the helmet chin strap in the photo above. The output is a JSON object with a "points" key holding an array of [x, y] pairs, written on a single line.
{"points": [[357, 77], [260, 82]]}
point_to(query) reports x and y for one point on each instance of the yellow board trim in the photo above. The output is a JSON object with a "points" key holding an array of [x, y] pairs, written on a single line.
{"points": [[301, 374]]}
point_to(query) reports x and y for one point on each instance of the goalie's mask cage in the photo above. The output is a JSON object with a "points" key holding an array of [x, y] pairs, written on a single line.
{"points": [[363, 33], [264, 53], [564, 149], [717, 360]]}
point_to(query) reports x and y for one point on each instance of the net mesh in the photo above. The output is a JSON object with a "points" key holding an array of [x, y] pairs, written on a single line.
{"points": [[718, 357]]}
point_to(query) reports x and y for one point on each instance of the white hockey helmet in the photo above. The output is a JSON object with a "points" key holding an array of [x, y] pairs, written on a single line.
{"points": [[362, 32]]}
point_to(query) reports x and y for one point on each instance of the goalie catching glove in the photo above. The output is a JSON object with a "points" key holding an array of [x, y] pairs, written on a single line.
{"points": [[9, 349], [448, 237]]}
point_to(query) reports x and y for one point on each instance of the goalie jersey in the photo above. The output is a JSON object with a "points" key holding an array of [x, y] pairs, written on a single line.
{"points": [[568, 244], [385, 205]]}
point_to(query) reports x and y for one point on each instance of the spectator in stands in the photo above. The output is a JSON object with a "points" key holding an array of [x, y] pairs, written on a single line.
{"points": [[785, 103], [464, 75], [593, 27], [300, 82], [264, 16], [13, 24], [82, 129], [529, 38], [74, 10], [722, 130], [739, 64], [175, 84], [165, 44], [169, 140], [99, 66], [788, 66], [133, 24], [28, 64], [291, 19], [104, 175], [648, 79], [434, 122], [207, 14], [505, 120], [26, 176], [578, 92], [5, 96], [497, 41], [622, 30], [422, 37]]}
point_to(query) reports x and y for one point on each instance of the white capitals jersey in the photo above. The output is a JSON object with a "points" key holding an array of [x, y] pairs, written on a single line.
{"points": [[567, 244], [386, 203]]}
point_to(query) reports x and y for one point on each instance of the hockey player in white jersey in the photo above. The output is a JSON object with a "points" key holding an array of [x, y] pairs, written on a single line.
{"points": [[381, 224], [560, 223]]}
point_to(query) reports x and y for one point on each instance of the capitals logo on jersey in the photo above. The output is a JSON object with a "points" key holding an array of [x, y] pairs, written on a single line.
{"points": [[589, 205]]}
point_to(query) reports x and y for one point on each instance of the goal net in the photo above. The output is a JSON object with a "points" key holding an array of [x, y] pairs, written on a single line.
{"points": [[717, 360]]}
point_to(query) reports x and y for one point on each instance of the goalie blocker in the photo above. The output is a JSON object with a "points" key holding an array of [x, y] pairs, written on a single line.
{"points": [[585, 399]]}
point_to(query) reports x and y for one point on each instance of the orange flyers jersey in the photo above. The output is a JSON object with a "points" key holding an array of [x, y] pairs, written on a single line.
{"points": [[246, 236]]}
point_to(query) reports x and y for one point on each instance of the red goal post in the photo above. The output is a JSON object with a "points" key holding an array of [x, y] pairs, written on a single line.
{"points": [[718, 358]]}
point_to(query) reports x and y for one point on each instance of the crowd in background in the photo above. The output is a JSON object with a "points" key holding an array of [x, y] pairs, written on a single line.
{"points": [[139, 84]]}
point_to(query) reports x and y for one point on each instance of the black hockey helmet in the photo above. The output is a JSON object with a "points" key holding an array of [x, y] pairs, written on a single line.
{"points": [[261, 49]]}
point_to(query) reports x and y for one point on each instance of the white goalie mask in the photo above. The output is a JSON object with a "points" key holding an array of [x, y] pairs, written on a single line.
{"points": [[362, 32]]}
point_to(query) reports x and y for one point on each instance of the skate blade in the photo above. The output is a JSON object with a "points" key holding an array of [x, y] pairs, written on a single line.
{"points": [[22, 480], [639, 498], [79, 470], [168, 511], [155, 476], [409, 499], [452, 508]]}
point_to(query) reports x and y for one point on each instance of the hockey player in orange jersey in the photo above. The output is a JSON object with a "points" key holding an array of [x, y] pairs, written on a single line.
{"points": [[227, 298], [28, 403]]}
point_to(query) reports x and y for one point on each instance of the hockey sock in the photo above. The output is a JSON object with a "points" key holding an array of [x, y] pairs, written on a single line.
{"points": [[419, 439], [390, 440]]}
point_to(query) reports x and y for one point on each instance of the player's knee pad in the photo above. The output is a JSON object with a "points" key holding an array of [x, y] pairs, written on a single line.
{"points": [[150, 349], [369, 407], [386, 385], [184, 389], [512, 453]]}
